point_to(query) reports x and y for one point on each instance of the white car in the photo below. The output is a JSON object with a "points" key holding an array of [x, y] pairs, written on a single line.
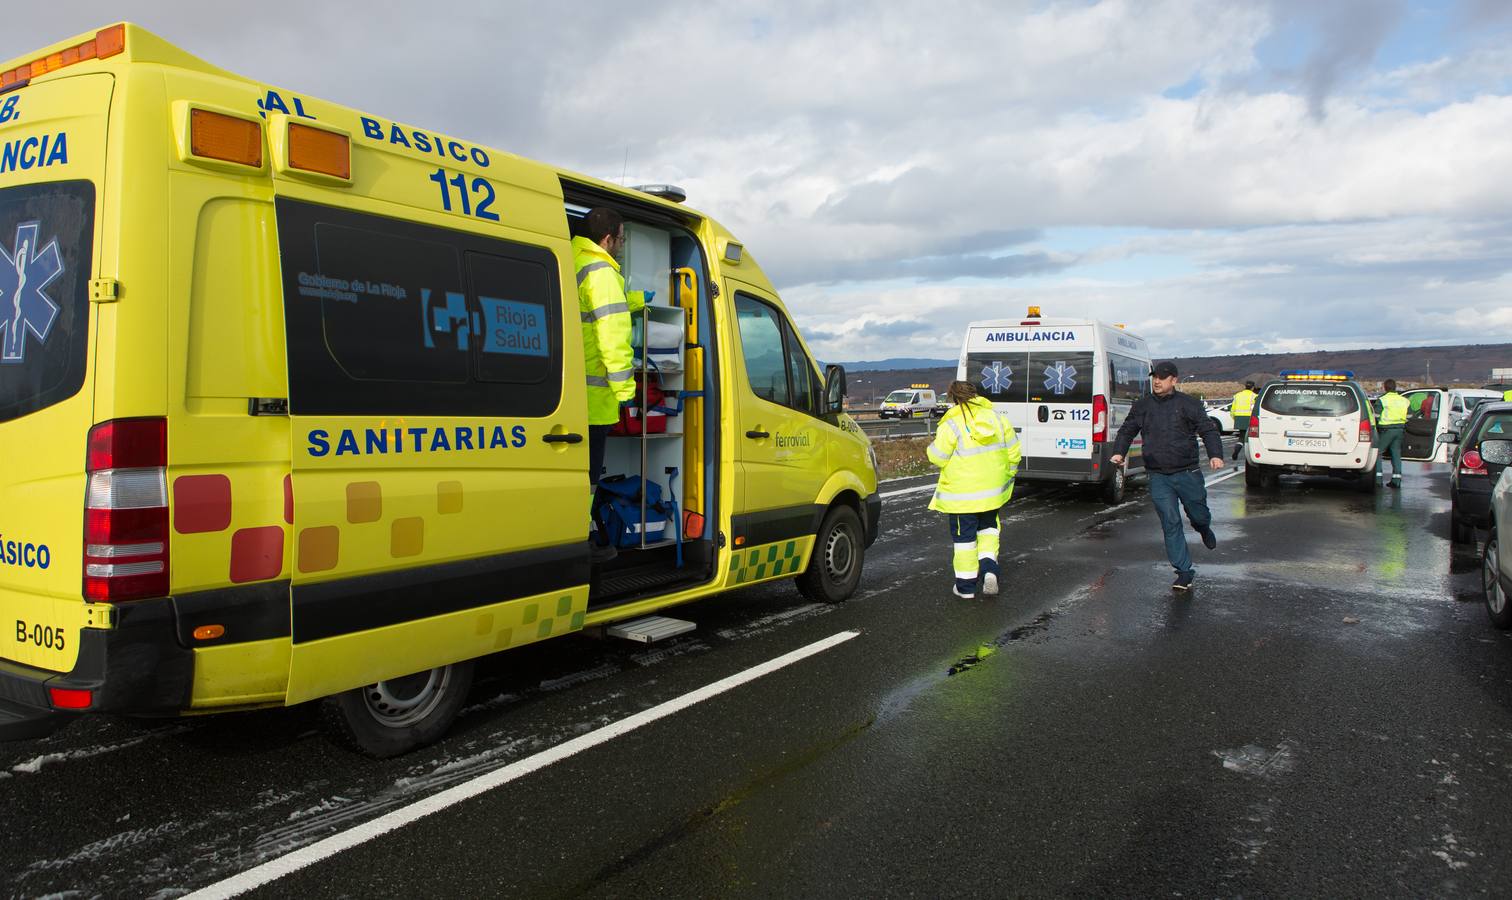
{"points": [[1311, 422], [1496, 567], [1221, 416]]}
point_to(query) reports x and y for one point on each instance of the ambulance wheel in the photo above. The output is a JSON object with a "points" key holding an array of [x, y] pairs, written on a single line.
{"points": [[398, 715], [1116, 486], [834, 568]]}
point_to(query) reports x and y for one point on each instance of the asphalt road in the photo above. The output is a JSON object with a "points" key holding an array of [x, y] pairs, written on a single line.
{"points": [[1328, 713]]}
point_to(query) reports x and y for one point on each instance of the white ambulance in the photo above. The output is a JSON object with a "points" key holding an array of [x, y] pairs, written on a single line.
{"points": [[1066, 385]]}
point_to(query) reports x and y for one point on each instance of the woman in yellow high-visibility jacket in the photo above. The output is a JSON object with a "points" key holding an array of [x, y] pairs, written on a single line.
{"points": [[978, 455]]}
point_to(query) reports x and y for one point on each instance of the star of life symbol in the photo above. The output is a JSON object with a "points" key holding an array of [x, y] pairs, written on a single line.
{"points": [[996, 378], [23, 305], [1060, 378]]}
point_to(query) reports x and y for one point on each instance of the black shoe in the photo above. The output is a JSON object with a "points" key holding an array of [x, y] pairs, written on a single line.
{"points": [[1209, 540], [598, 554], [1394, 484], [1183, 581]]}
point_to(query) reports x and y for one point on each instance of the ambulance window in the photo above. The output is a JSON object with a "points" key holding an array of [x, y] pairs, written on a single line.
{"points": [[761, 345], [46, 249], [521, 320], [1129, 378], [1060, 377], [805, 382], [999, 377], [385, 316], [400, 310]]}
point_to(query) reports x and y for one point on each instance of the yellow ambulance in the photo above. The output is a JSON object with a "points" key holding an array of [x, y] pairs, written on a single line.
{"points": [[292, 406]]}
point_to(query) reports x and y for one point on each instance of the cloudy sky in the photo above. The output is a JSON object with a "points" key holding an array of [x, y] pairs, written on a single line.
{"points": [[1241, 176]]}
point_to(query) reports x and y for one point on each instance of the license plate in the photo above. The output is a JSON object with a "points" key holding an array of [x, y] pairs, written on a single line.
{"points": [[1308, 443]]}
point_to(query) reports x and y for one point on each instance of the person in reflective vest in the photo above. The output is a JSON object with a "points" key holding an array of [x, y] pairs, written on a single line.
{"points": [[1241, 409], [1392, 427], [1507, 394], [978, 454], [605, 309]]}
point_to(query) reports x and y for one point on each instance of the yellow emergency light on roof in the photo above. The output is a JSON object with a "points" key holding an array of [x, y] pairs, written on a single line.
{"points": [[320, 151], [107, 43], [918, 385], [1034, 312], [214, 135]]}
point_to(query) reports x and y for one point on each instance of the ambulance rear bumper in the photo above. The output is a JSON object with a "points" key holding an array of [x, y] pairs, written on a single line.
{"points": [[138, 667]]}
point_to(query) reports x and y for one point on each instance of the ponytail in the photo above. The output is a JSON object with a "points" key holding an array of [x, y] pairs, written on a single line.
{"points": [[960, 392]]}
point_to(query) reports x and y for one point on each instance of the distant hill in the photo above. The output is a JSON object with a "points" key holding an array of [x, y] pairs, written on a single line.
{"points": [[1413, 366], [898, 363]]}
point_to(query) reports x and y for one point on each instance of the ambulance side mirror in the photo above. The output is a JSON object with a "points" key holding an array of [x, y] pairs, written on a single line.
{"points": [[834, 389]]}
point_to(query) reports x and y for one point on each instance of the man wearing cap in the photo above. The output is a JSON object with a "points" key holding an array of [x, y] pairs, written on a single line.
{"points": [[1171, 422]]}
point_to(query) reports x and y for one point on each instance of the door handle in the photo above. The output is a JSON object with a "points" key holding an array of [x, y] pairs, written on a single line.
{"points": [[569, 438], [1044, 413], [758, 435]]}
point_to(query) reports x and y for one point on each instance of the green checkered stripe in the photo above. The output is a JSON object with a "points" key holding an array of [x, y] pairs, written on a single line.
{"points": [[777, 560]]}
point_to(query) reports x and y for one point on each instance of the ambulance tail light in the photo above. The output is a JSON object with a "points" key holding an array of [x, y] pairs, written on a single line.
{"points": [[126, 511], [1099, 419], [1471, 463]]}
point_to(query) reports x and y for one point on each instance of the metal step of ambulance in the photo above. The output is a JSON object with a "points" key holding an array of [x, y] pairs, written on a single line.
{"points": [[650, 629]]}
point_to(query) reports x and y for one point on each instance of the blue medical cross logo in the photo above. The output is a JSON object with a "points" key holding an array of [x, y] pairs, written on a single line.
{"points": [[996, 378], [1060, 378], [23, 306]]}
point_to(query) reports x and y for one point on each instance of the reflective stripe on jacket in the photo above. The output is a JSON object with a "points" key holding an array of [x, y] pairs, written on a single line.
{"points": [[978, 455], [1244, 404], [605, 308], [1394, 409]]}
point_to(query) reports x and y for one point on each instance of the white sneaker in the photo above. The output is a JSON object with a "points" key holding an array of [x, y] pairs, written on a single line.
{"points": [[989, 583], [957, 591]]}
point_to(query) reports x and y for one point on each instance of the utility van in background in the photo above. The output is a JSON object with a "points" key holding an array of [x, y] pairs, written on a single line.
{"points": [[293, 406], [918, 400], [1066, 385]]}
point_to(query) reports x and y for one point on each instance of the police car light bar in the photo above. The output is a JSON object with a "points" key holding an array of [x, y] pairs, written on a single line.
{"points": [[1318, 375]]}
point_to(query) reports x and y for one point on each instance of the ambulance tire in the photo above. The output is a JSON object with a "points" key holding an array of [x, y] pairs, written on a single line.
{"points": [[834, 567], [396, 716], [1116, 486]]}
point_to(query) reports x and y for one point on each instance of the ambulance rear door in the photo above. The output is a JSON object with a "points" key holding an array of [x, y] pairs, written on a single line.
{"points": [[52, 194]]}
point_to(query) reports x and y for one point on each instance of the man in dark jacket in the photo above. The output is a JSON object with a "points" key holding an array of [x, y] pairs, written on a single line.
{"points": [[1170, 422]]}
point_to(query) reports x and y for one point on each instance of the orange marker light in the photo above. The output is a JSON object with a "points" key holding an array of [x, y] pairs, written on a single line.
{"points": [[740, 542], [318, 150], [209, 632], [107, 42], [110, 41], [214, 136]]}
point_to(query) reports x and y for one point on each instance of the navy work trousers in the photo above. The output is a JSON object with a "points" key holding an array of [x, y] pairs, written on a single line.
{"points": [[1170, 493]]}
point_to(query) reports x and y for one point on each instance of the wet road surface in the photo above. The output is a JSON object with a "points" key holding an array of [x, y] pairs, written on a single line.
{"points": [[1327, 713]]}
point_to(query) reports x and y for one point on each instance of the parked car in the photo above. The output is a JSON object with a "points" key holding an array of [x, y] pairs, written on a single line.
{"points": [[941, 408], [1496, 567], [1221, 416], [1472, 475]]}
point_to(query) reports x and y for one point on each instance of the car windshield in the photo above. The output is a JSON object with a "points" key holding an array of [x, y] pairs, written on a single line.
{"points": [[899, 396], [1310, 400]]}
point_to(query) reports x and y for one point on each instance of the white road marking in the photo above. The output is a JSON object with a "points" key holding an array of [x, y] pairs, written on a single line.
{"points": [[913, 490], [361, 834], [1224, 477]]}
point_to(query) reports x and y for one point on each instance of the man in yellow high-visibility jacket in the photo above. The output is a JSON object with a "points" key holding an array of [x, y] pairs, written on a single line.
{"points": [[605, 309], [1393, 428], [978, 455], [1241, 409]]}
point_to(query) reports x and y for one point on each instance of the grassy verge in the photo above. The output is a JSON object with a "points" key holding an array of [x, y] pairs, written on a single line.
{"points": [[902, 458]]}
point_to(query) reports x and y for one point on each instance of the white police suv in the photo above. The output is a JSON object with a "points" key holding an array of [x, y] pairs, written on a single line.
{"points": [[1311, 422]]}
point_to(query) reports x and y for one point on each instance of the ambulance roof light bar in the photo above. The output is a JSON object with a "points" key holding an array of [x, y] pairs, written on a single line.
{"points": [[1317, 375], [665, 191], [106, 43]]}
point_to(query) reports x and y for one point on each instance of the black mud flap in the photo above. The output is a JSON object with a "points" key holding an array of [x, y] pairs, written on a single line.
{"points": [[24, 723]]}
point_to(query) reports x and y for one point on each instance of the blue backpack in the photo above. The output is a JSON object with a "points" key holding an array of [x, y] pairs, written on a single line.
{"points": [[617, 511]]}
